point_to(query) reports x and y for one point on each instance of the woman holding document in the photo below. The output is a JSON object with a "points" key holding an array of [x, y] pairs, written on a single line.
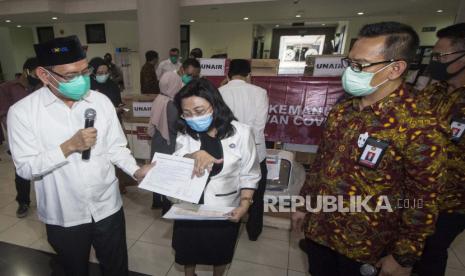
{"points": [[225, 149]]}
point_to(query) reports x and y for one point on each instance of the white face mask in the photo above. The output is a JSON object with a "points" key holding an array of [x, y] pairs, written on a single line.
{"points": [[102, 78], [359, 83]]}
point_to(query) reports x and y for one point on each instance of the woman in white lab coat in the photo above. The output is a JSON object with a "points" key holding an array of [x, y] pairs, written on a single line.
{"points": [[225, 149]]}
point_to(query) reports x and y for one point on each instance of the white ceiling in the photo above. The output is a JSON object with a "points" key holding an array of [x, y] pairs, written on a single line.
{"points": [[285, 10], [263, 11]]}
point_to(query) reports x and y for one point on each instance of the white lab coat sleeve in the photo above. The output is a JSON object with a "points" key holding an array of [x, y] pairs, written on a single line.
{"points": [[30, 162], [119, 153], [182, 145], [250, 167]]}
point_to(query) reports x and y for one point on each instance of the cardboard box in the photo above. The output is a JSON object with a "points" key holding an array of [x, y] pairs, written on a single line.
{"points": [[264, 67], [324, 66], [139, 107], [135, 124], [139, 141]]}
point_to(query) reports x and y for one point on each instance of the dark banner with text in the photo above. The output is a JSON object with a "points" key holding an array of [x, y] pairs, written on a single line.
{"points": [[298, 106]]}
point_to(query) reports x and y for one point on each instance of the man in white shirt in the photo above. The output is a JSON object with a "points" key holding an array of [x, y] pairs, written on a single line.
{"points": [[77, 199], [170, 64], [249, 104]]}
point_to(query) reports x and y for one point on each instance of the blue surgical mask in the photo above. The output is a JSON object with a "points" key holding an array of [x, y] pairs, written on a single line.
{"points": [[200, 123], [102, 78], [74, 89], [358, 84]]}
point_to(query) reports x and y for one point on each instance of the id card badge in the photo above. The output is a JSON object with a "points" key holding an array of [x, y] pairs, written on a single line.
{"points": [[372, 153], [457, 127]]}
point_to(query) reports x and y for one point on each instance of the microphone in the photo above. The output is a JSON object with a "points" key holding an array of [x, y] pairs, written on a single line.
{"points": [[89, 116], [368, 270]]}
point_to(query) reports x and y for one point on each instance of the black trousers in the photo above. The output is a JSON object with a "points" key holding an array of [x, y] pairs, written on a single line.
{"points": [[23, 190], [161, 201], [323, 261], [254, 225], [434, 258], [108, 236]]}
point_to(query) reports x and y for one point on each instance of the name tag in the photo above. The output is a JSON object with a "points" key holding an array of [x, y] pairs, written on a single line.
{"points": [[458, 128], [372, 153]]}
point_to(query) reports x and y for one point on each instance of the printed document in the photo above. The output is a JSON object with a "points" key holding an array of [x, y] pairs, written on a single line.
{"points": [[186, 211], [172, 176]]}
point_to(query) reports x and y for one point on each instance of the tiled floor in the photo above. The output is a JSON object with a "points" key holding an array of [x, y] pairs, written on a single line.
{"points": [[149, 239]]}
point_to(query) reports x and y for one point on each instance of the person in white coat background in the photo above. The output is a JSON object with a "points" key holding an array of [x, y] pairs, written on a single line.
{"points": [[224, 148], [170, 64], [249, 103]]}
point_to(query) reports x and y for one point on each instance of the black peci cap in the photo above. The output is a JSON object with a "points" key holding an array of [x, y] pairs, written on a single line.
{"points": [[58, 51]]}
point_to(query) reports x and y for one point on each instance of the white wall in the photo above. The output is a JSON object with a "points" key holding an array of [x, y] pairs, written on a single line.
{"points": [[22, 41], [234, 38], [237, 38], [214, 38], [16, 47], [7, 59], [417, 22]]}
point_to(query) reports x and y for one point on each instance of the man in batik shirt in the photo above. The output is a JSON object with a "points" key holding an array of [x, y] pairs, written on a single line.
{"points": [[377, 146], [447, 99]]}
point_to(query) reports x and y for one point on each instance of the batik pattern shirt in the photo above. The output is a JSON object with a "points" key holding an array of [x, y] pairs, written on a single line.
{"points": [[449, 106], [409, 174]]}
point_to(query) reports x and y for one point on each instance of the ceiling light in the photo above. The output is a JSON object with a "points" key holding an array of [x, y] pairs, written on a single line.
{"points": [[323, 24], [277, 26], [439, 11], [54, 18], [360, 13], [246, 18], [192, 20], [298, 15], [18, 26], [8, 21]]}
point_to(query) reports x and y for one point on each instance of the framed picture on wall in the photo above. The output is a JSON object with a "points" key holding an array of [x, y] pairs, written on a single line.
{"points": [[45, 34], [95, 33]]}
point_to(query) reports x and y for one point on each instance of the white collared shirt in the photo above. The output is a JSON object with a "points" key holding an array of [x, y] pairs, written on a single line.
{"points": [[69, 191], [249, 103], [166, 66]]}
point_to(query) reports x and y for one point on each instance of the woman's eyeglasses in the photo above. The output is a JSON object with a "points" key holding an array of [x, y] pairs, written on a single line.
{"points": [[196, 113]]}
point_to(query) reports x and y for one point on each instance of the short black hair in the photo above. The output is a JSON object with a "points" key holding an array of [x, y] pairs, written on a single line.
{"points": [[196, 53], [31, 63], [95, 63], [174, 50], [401, 40], [190, 62], [222, 115], [107, 55], [150, 55], [239, 67], [456, 33]]}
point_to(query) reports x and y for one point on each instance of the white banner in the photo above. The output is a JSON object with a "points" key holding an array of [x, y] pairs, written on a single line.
{"points": [[328, 67], [212, 67], [141, 109]]}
